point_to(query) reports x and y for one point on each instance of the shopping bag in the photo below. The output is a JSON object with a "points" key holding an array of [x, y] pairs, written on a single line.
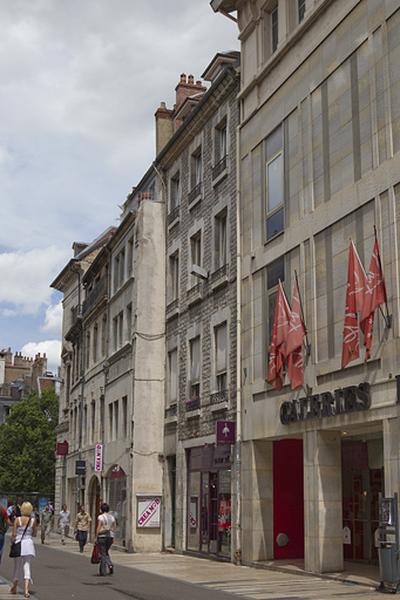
{"points": [[95, 558]]}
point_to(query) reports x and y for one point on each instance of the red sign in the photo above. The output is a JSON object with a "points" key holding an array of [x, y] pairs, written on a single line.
{"points": [[149, 512], [62, 448], [226, 432], [117, 472], [98, 458]]}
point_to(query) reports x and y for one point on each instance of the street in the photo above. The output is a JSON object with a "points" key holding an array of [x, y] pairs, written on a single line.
{"points": [[61, 573]]}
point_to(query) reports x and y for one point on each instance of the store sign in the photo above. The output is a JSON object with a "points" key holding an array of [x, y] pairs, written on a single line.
{"points": [[80, 467], [98, 458], [328, 404], [117, 472], [149, 512], [226, 431], [62, 448]]}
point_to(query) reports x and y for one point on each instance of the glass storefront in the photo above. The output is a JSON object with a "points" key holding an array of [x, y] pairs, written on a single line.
{"points": [[209, 500], [362, 477], [117, 499]]}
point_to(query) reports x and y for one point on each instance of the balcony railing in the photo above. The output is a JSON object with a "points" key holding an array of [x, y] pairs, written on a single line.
{"points": [[220, 272], [76, 323], [221, 396], [194, 402], [98, 293], [173, 214], [194, 193], [219, 167], [171, 411]]}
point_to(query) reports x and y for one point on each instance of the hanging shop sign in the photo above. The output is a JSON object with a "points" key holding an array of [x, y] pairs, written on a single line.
{"points": [[62, 448], [226, 431], [149, 511], [98, 458], [80, 467], [328, 404], [117, 472]]}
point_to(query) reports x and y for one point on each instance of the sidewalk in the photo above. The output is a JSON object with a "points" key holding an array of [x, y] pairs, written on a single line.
{"points": [[248, 582], [4, 591]]}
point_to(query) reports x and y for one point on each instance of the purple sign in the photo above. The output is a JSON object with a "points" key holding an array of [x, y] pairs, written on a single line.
{"points": [[226, 432]]}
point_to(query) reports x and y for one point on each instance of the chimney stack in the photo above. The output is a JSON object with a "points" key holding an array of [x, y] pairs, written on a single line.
{"points": [[164, 126]]}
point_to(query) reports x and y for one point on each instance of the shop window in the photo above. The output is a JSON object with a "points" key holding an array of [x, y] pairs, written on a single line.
{"points": [[274, 184], [193, 542]]}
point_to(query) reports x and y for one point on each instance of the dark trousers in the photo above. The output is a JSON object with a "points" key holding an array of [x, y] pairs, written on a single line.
{"points": [[105, 542], [82, 539]]}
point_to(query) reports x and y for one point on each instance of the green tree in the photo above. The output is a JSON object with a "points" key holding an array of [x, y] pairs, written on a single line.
{"points": [[27, 445]]}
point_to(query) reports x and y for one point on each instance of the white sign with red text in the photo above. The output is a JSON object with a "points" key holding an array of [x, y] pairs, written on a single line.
{"points": [[149, 511], [98, 458]]}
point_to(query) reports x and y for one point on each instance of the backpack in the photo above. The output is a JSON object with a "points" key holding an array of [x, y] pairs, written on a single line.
{"points": [[3, 521]]}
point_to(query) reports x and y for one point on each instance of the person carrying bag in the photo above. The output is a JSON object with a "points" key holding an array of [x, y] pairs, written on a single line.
{"points": [[22, 547]]}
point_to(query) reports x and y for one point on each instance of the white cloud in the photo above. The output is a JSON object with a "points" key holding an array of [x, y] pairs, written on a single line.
{"points": [[25, 278], [53, 319], [52, 349]]}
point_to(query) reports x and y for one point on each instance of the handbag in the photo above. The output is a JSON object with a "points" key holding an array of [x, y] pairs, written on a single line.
{"points": [[15, 549], [96, 554]]}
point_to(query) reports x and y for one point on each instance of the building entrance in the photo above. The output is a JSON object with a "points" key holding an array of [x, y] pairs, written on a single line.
{"points": [[362, 480]]}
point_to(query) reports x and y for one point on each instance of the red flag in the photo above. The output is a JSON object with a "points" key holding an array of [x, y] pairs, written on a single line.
{"points": [[355, 292], [375, 294], [280, 329], [294, 344]]}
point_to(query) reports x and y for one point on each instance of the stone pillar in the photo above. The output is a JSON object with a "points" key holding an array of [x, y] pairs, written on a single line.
{"points": [[181, 498], [257, 508], [323, 523], [391, 454]]}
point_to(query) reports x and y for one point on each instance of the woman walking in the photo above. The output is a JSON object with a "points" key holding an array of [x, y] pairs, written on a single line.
{"points": [[105, 537], [82, 525], [24, 529]]}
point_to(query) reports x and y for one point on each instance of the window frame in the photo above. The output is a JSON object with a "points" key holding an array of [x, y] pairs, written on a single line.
{"points": [[267, 161]]}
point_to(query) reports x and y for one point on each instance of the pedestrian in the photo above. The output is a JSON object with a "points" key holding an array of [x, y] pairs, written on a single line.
{"points": [[45, 526], [82, 525], [3, 527], [24, 528], [105, 537], [63, 522]]}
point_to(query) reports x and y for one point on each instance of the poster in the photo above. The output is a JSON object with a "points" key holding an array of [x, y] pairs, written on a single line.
{"points": [[193, 512], [149, 511]]}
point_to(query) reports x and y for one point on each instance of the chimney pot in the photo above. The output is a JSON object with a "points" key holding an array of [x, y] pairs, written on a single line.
{"points": [[191, 80], [183, 78], [163, 105], [198, 83]]}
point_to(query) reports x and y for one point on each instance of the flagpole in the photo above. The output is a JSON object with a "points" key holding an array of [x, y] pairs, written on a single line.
{"points": [[308, 345], [387, 317]]}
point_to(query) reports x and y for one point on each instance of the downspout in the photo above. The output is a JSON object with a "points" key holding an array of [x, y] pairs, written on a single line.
{"points": [[238, 540]]}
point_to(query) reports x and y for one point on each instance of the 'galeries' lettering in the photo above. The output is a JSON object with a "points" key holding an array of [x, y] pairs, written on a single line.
{"points": [[343, 400]]}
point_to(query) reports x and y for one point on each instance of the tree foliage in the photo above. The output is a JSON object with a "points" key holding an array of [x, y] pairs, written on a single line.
{"points": [[27, 445]]}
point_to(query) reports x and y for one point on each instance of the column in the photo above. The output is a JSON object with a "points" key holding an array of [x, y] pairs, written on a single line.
{"points": [[391, 454], [323, 523], [181, 498], [257, 509]]}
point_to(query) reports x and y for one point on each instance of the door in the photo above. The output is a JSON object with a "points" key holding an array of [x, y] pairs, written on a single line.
{"points": [[288, 499]]}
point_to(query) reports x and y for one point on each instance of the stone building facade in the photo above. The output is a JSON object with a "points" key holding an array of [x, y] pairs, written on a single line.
{"points": [[319, 163], [112, 399], [198, 166]]}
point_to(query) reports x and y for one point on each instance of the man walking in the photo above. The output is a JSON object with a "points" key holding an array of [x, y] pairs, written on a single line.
{"points": [[82, 526], [63, 522], [45, 523]]}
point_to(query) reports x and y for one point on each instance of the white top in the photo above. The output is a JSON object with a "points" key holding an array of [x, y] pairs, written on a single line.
{"points": [[27, 545], [64, 517], [107, 524]]}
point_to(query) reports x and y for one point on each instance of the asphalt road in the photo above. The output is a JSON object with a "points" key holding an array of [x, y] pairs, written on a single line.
{"points": [[61, 575]]}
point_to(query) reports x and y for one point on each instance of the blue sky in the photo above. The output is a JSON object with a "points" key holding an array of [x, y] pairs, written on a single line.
{"points": [[79, 85]]}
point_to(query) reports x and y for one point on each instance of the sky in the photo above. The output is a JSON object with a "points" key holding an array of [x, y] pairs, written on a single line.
{"points": [[79, 84]]}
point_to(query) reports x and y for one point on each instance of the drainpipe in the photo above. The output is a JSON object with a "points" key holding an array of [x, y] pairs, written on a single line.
{"points": [[238, 540]]}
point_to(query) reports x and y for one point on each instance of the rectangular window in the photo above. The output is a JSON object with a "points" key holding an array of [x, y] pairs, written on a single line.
{"points": [[274, 29], [220, 240], [195, 368], [301, 8], [116, 273], [130, 257], [275, 272], [221, 356], [110, 422], [116, 419], [129, 322], [103, 335], [220, 141], [173, 376], [195, 253], [93, 426], [95, 342], [125, 416], [115, 333], [175, 192], [121, 328], [196, 169], [174, 276], [121, 268], [87, 350], [274, 183]]}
